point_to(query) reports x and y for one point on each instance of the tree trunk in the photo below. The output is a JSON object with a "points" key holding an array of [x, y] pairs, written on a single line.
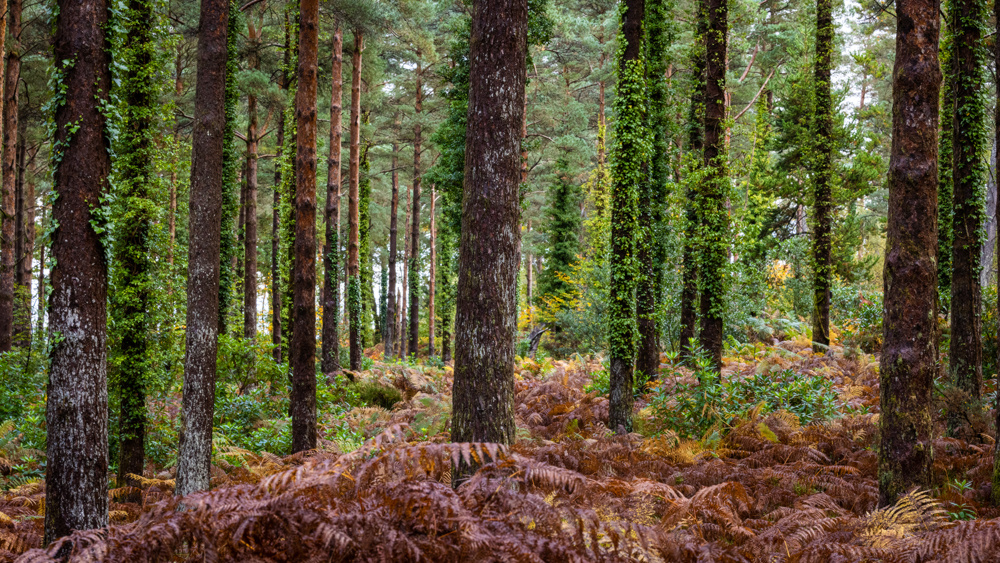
{"points": [[134, 239], [969, 182], [392, 312], [353, 249], [250, 203], [996, 152], [302, 351], [946, 217], [431, 282], [715, 219], [486, 318], [404, 351], [331, 254], [40, 321], [909, 353], [415, 226], [172, 219], [26, 195], [692, 219], [231, 169], [7, 209], [205, 221], [651, 251], [276, 289], [823, 195], [629, 163], [76, 477]]}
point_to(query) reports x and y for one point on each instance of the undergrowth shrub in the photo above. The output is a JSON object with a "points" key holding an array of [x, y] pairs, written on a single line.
{"points": [[858, 312], [695, 406], [375, 394]]}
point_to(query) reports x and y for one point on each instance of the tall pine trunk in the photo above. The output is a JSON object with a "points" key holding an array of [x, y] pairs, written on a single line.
{"points": [[331, 254], [431, 281], [714, 189], [965, 354], [250, 202], [12, 156], [996, 130], [276, 289], [353, 249], [134, 237], [414, 280], [629, 164], [76, 477], [692, 217], [651, 251], [392, 311], [302, 349], [822, 194], [205, 220], [7, 204], [490, 248], [909, 352]]}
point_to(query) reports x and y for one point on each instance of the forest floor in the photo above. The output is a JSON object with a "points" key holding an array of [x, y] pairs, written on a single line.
{"points": [[760, 486]]}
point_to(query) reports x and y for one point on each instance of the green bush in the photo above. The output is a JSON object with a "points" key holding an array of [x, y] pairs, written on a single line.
{"points": [[375, 394], [692, 410], [989, 331], [858, 313]]}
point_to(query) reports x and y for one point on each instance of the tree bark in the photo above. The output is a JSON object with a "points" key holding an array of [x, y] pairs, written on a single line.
{"points": [[250, 202], [205, 220], [133, 238], [76, 479], [431, 281], [7, 211], [965, 354], [13, 150], [404, 352], [822, 194], [996, 152], [276, 289], [392, 312], [483, 388], [414, 280], [331, 254], [692, 218], [909, 352], [629, 162], [302, 350], [353, 247], [715, 219]]}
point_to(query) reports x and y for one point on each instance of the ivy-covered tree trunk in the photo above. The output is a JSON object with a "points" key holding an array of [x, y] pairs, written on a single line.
{"points": [[414, 258], [403, 318], [965, 354], [230, 175], [12, 154], [651, 252], [629, 165], [331, 254], [996, 131], [302, 352], [909, 352], [483, 389], [277, 205], [250, 201], [392, 313], [205, 219], [134, 215], [353, 279], [822, 176], [76, 478], [945, 187], [6, 225], [692, 220], [715, 218], [432, 279]]}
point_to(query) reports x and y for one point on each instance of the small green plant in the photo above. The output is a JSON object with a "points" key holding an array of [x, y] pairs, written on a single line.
{"points": [[693, 410], [378, 395]]}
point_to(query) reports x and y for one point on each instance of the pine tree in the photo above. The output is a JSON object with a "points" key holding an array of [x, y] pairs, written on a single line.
{"points": [[76, 474], [208, 149], [331, 253], [136, 95], [302, 352], [230, 173], [487, 280], [714, 188], [909, 353], [822, 176], [965, 354], [562, 232], [354, 177], [630, 169]]}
